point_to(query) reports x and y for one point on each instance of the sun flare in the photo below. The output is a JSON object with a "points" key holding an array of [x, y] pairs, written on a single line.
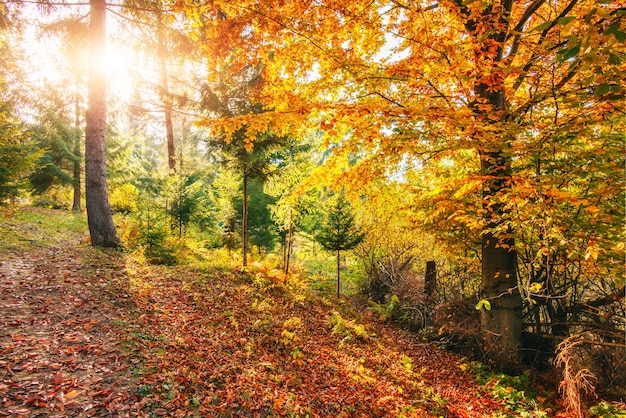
{"points": [[50, 62]]}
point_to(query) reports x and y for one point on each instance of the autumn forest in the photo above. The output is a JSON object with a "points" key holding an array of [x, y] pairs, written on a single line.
{"points": [[313, 208]]}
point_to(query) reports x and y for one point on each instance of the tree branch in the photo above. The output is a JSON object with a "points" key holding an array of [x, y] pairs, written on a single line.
{"points": [[517, 30], [542, 37], [597, 303]]}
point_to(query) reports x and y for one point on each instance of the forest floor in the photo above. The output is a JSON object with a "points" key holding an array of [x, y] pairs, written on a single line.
{"points": [[91, 332]]}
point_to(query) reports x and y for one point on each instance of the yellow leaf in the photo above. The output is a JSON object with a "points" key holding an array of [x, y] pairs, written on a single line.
{"points": [[592, 252]]}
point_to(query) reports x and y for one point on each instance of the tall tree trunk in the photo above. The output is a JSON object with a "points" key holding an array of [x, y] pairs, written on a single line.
{"points": [[166, 96], [503, 322], [284, 247], [244, 222], [76, 203], [101, 227]]}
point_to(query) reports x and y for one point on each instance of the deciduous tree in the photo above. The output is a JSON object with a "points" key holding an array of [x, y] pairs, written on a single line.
{"points": [[426, 80]]}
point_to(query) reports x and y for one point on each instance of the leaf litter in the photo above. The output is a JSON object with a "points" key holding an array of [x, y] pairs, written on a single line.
{"points": [[88, 332]]}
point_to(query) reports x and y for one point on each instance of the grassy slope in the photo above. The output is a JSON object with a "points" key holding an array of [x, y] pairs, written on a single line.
{"points": [[26, 228], [202, 342]]}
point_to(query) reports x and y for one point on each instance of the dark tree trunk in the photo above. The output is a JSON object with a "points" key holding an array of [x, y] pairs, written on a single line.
{"points": [[289, 243], [101, 227], [284, 246], [503, 322], [289, 248], [430, 279]]}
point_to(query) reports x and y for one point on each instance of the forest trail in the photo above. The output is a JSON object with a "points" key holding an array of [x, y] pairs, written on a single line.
{"points": [[87, 332], [60, 353]]}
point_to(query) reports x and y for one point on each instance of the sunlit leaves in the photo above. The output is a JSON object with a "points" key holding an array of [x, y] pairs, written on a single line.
{"points": [[498, 121]]}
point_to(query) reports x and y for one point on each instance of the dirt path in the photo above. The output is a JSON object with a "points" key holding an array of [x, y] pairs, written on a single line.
{"points": [[60, 354]]}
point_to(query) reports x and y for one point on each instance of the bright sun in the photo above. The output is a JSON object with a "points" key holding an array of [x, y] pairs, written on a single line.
{"points": [[50, 64]]}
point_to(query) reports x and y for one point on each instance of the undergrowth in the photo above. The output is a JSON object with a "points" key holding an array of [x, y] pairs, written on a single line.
{"points": [[519, 397]]}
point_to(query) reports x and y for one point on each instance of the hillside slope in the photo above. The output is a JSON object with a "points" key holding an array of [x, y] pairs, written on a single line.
{"points": [[87, 332]]}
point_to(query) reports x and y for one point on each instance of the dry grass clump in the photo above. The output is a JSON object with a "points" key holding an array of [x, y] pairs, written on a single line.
{"points": [[578, 382]]}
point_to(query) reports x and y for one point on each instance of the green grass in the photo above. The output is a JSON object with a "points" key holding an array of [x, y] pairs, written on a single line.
{"points": [[26, 227]]}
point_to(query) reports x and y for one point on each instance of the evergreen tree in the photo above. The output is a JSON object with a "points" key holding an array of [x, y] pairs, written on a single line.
{"points": [[56, 139], [251, 157], [100, 220], [340, 231]]}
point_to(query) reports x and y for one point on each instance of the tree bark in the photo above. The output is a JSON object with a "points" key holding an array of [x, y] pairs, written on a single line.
{"points": [[166, 97], [101, 227], [76, 203], [430, 279], [503, 322]]}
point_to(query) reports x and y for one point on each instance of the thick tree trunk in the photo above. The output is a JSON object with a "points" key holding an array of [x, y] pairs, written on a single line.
{"points": [[503, 322], [101, 227], [430, 279]]}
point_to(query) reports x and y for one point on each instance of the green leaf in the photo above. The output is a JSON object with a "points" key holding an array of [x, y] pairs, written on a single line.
{"points": [[542, 27], [611, 29], [590, 14], [621, 36], [565, 20], [483, 303], [602, 89], [569, 53], [614, 59]]}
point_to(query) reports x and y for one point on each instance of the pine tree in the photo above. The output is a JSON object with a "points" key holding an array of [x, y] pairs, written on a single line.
{"points": [[99, 217], [340, 231]]}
